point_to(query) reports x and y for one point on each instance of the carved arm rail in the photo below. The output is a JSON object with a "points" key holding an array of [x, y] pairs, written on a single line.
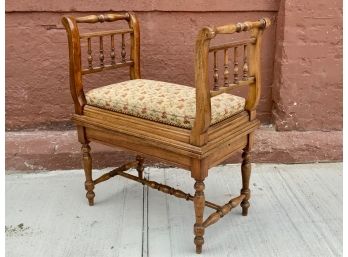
{"points": [[74, 39], [251, 75], [110, 17]]}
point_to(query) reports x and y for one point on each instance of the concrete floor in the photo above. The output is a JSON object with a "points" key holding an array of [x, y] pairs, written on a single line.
{"points": [[296, 210]]}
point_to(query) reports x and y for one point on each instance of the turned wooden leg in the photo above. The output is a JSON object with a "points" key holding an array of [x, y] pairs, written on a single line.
{"points": [[199, 203], [87, 165], [140, 166], [246, 170]]}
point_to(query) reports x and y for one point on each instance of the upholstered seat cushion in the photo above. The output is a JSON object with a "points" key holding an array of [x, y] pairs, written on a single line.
{"points": [[159, 101]]}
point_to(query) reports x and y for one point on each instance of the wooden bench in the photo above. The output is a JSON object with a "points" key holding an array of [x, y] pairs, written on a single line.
{"points": [[193, 128]]}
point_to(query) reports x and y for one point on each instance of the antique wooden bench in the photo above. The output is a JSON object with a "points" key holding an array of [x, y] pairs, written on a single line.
{"points": [[193, 128]]}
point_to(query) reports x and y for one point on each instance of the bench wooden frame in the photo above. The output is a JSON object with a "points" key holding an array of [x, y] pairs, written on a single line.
{"points": [[196, 149]]}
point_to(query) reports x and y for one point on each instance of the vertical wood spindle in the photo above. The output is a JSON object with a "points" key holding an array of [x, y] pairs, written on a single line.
{"points": [[112, 53], [101, 51], [216, 74], [235, 69], [123, 52], [226, 72], [245, 65], [89, 52]]}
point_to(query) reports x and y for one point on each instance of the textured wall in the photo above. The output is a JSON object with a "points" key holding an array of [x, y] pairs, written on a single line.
{"points": [[37, 85], [307, 89], [301, 66], [305, 92], [149, 5]]}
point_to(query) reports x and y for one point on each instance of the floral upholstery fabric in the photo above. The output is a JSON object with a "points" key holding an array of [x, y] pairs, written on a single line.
{"points": [[159, 101]]}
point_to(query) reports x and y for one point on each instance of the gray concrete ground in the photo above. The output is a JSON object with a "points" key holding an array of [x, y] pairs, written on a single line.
{"points": [[296, 210]]}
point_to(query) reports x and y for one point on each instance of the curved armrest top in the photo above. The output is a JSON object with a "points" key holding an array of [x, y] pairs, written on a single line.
{"points": [[110, 17], [243, 26]]}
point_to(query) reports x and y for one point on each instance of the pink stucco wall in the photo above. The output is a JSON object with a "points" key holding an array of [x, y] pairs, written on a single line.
{"points": [[301, 67], [302, 56], [308, 75], [37, 91]]}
